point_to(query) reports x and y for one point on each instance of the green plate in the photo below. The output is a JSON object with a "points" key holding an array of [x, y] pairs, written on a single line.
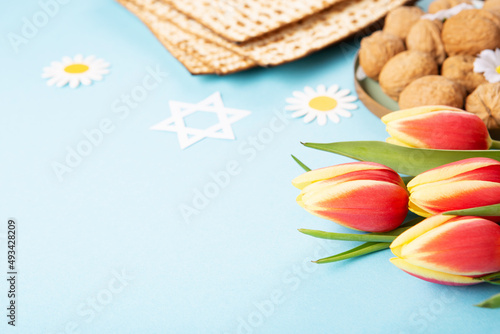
{"points": [[371, 94]]}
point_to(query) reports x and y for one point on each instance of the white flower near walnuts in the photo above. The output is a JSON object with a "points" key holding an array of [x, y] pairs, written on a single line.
{"points": [[488, 63]]}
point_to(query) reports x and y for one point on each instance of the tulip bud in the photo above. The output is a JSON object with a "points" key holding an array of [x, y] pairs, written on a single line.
{"points": [[364, 196], [449, 250], [458, 185], [437, 127]]}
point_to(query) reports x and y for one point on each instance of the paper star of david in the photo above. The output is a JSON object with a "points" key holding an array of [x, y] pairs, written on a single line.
{"points": [[188, 136]]}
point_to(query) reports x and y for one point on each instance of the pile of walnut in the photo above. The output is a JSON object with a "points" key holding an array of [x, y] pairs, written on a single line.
{"points": [[422, 62]]}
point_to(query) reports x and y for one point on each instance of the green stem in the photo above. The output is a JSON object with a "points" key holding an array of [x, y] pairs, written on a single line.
{"points": [[495, 144], [368, 237], [301, 164], [367, 248], [493, 278], [348, 236]]}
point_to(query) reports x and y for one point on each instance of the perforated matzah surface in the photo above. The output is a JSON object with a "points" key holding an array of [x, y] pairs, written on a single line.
{"points": [[199, 55], [241, 20], [286, 44]]}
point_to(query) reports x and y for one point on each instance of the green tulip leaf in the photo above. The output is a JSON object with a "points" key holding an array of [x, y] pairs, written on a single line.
{"points": [[488, 210], [493, 278], [301, 164], [492, 302], [366, 248], [404, 160], [368, 237], [348, 236]]}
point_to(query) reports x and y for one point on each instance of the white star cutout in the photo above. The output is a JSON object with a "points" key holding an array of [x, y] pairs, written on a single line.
{"points": [[188, 136]]}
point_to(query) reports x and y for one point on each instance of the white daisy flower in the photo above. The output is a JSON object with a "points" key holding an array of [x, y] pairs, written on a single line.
{"points": [[488, 63], [447, 13], [321, 104], [75, 71]]}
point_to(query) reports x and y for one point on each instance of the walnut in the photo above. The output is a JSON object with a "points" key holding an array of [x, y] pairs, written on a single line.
{"points": [[461, 70], [376, 50], [485, 102], [491, 4], [438, 5], [399, 21], [432, 90], [403, 68], [425, 36], [470, 32]]}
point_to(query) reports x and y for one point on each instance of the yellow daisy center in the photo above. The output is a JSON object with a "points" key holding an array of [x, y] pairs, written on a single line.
{"points": [[76, 68], [323, 103], [498, 69]]}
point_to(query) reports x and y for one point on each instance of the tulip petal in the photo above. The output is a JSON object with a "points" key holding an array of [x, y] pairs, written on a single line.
{"points": [[372, 206], [320, 174], [440, 197], [453, 171], [431, 275], [417, 230], [446, 129], [396, 115], [468, 246]]}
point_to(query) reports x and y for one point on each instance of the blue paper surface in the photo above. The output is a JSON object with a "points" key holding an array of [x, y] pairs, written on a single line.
{"points": [[111, 246]]}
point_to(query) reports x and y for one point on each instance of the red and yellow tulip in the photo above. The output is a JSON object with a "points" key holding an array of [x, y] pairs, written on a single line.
{"points": [[364, 196], [449, 250], [437, 127], [458, 185]]}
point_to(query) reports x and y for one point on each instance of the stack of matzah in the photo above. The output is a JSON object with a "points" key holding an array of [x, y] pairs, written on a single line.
{"points": [[226, 36]]}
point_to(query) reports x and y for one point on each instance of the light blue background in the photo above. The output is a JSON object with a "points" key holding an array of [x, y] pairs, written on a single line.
{"points": [[239, 265]]}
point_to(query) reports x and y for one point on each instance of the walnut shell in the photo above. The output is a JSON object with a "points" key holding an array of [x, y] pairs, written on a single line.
{"points": [[485, 102], [491, 4], [399, 21], [376, 50], [432, 90], [425, 36], [404, 68], [438, 5], [461, 70], [470, 32]]}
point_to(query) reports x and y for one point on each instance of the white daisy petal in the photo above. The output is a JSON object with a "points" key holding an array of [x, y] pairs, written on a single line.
{"points": [[488, 56], [350, 98], [95, 76], [332, 89], [333, 117], [85, 70], [492, 76], [342, 93], [321, 119], [487, 62], [100, 71], [62, 81], [343, 113], [74, 82], [299, 113], [85, 81], [310, 117], [67, 61], [293, 100], [348, 106], [309, 91], [322, 104], [294, 107], [90, 59], [299, 95], [52, 81]]}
